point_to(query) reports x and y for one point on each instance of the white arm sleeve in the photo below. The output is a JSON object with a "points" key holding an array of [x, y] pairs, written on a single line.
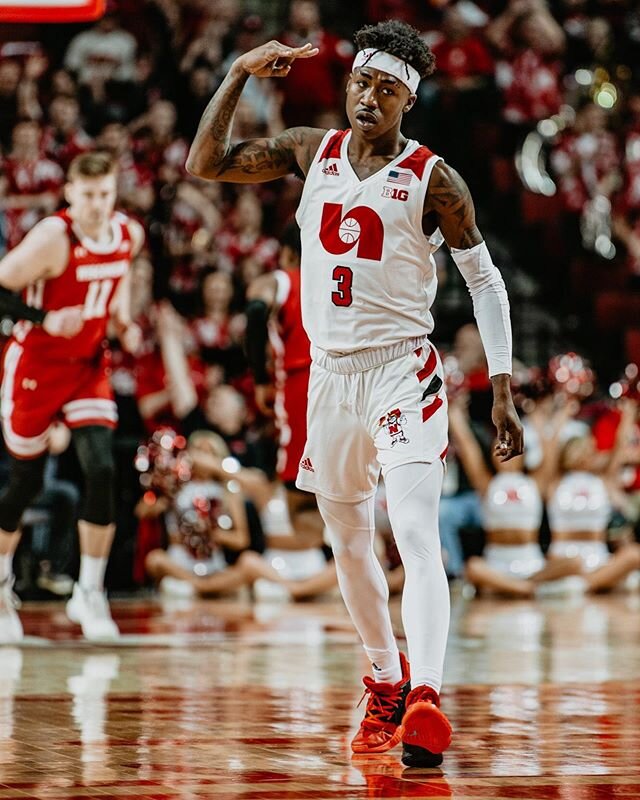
{"points": [[490, 305]]}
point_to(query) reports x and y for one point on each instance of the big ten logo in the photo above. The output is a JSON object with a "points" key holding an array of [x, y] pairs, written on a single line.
{"points": [[394, 193], [360, 227]]}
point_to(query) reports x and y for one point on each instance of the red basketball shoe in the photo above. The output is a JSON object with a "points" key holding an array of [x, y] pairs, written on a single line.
{"points": [[381, 728], [426, 730]]}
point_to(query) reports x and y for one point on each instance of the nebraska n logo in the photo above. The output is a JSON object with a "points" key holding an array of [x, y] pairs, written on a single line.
{"points": [[360, 226]]}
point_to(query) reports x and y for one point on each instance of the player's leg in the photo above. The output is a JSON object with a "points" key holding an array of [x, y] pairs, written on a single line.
{"points": [[88, 605], [339, 465], [25, 483], [364, 589], [413, 495]]}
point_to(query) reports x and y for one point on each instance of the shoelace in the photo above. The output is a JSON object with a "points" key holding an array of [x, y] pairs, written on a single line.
{"points": [[380, 705], [423, 694]]}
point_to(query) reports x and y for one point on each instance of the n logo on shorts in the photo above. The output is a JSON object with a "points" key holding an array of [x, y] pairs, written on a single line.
{"points": [[360, 227]]}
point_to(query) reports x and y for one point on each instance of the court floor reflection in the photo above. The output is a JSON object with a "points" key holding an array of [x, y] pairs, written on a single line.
{"points": [[226, 700]]}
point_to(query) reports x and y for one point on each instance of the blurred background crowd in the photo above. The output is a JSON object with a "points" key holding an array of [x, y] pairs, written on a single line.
{"points": [[536, 104]]}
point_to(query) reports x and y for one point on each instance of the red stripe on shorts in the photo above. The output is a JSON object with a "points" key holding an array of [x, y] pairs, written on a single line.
{"points": [[430, 410], [429, 366]]}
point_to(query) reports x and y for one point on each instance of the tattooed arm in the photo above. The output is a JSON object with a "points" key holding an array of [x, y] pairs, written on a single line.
{"points": [[448, 197], [212, 156], [450, 200]]}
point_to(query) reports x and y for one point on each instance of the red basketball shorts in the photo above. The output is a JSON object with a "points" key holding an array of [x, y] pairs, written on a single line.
{"points": [[291, 419], [35, 394]]}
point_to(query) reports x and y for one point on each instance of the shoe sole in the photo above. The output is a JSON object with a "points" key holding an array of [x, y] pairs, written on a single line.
{"points": [[381, 748], [420, 757], [427, 727]]}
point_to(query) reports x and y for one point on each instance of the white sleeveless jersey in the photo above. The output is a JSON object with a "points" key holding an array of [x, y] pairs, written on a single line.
{"points": [[368, 273], [579, 503], [512, 502]]}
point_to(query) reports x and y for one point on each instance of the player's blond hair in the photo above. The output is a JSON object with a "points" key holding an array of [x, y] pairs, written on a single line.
{"points": [[95, 164]]}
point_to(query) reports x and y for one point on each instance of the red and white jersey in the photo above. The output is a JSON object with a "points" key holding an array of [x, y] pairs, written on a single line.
{"points": [[368, 273], [90, 279], [287, 335]]}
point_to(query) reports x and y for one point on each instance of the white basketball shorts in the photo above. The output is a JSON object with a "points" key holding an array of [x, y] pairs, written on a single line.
{"points": [[364, 416]]}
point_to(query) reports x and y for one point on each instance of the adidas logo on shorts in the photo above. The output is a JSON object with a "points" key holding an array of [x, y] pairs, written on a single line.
{"points": [[306, 464]]}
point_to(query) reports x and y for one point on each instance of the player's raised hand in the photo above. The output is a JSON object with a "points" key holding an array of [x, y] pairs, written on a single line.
{"points": [[66, 322], [273, 59]]}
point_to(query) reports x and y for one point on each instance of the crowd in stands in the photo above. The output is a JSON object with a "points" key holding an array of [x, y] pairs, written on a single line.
{"points": [[537, 105]]}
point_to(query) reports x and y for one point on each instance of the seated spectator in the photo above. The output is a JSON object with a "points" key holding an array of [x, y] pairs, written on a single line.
{"points": [[222, 410], [64, 138], [244, 236], [586, 159], [18, 90], [531, 41], [200, 85], [30, 184], [315, 85], [189, 240], [206, 520], [104, 52], [135, 181], [218, 332], [157, 145], [463, 59]]}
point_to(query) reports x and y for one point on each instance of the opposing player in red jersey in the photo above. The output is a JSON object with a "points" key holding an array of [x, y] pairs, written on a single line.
{"points": [[374, 209], [73, 271], [274, 314]]}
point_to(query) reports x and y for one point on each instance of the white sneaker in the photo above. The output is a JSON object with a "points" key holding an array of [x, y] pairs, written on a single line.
{"points": [[10, 625], [176, 587], [90, 610]]}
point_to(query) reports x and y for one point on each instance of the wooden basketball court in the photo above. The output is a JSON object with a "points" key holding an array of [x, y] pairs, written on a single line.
{"points": [[235, 701]]}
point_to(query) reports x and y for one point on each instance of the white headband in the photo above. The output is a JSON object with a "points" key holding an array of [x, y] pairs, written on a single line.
{"points": [[393, 65]]}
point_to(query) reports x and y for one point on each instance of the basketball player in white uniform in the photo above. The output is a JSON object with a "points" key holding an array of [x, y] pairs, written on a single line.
{"points": [[374, 209]]}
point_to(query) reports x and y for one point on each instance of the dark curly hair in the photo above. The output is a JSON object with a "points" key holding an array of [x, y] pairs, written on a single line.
{"points": [[399, 39]]}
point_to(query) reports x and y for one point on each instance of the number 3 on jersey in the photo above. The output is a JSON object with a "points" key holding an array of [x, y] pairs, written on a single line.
{"points": [[344, 277], [95, 303]]}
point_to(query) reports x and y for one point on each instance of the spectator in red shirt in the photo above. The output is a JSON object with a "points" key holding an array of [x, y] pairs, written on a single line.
{"points": [[30, 186], [463, 59], [219, 332], [157, 145], [315, 84], [19, 91], [135, 181], [586, 159], [64, 138], [532, 42], [245, 237]]}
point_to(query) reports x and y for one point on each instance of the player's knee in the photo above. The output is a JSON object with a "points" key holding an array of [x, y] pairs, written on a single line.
{"points": [[25, 483]]}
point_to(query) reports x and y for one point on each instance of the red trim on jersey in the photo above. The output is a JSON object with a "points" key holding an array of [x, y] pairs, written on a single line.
{"points": [[333, 146], [417, 161], [429, 366], [430, 410], [443, 454]]}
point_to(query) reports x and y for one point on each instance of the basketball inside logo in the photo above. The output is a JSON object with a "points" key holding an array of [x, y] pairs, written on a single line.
{"points": [[349, 230]]}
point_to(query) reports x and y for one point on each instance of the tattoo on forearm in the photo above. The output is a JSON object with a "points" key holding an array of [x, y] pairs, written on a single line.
{"points": [[450, 199], [212, 138], [264, 155]]}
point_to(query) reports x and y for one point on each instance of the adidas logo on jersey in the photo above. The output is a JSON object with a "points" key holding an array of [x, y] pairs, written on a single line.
{"points": [[306, 464], [332, 169]]}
